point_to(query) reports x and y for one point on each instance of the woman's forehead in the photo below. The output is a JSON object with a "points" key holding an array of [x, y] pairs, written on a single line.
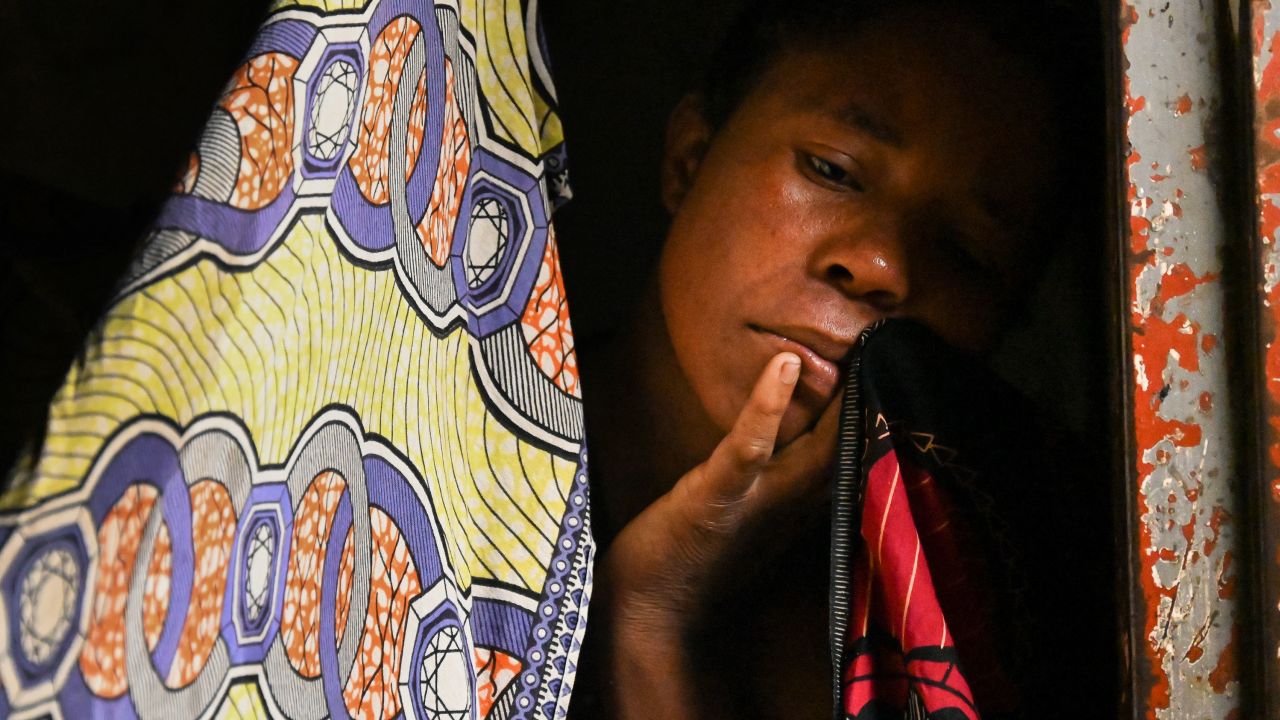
{"points": [[920, 102], [879, 76]]}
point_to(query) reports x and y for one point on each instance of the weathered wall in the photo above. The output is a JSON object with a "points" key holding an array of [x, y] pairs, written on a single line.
{"points": [[1264, 38], [1185, 527]]}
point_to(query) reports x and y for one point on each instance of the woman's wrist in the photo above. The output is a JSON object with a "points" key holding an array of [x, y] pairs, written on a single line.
{"points": [[635, 663], [649, 668]]}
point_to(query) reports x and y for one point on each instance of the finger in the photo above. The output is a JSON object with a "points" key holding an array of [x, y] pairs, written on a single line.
{"points": [[801, 471], [675, 541], [738, 460]]}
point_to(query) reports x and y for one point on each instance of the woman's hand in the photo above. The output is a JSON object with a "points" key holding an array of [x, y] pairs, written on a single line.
{"points": [[662, 564]]}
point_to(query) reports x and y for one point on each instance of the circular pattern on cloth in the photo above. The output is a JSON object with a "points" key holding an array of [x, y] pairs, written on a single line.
{"points": [[259, 571], [252, 616], [46, 580], [396, 133], [497, 270], [329, 122], [444, 676], [487, 240], [47, 603], [183, 622]]}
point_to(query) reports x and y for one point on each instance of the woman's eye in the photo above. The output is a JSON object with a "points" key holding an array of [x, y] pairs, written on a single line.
{"points": [[832, 173]]}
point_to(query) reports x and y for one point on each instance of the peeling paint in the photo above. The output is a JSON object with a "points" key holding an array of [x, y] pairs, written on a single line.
{"points": [[1184, 599], [1265, 37]]}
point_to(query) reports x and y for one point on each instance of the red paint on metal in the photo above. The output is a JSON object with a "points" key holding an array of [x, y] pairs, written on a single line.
{"points": [[1266, 49], [1268, 184], [1199, 161], [1269, 83], [1128, 16], [1269, 176], [1179, 280], [1155, 340], [1158, 696], [1146, 391], [1226, 669], [1139, 225], [1139, 229], [1185, 631]]}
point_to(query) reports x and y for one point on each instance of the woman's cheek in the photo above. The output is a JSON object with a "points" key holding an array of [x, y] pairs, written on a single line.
{"points": [[964, 315]]}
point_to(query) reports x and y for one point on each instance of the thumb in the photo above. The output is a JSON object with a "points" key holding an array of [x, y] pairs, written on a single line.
{"points": [[716, 494], [666, 551]]}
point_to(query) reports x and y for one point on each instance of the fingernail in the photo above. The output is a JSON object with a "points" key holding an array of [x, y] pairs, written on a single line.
{"points": [[790, 370]]}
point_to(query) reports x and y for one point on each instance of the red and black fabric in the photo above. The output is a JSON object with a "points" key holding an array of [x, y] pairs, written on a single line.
{"points": [[970, 569]]}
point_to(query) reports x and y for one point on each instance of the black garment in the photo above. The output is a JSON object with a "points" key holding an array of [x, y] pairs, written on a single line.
{"points": [[1009, 516]]}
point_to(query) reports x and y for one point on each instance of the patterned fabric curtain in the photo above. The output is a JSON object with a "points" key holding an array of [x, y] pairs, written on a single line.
{"points": [[323, 456]]}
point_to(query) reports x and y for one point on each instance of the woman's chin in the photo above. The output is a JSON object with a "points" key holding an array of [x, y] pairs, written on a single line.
{"points": [[797, 421]]}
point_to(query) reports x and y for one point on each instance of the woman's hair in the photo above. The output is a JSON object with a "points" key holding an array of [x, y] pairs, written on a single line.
{"points": [[1058, 39]]}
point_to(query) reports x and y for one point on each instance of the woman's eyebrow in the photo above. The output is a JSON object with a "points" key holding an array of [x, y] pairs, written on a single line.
{"points": [[856, 117]]}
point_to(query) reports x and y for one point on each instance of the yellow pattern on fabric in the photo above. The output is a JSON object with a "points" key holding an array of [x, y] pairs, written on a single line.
{"points": [[326, 5], [243, 702], [521, 116], [276, 344], [549, 122]]}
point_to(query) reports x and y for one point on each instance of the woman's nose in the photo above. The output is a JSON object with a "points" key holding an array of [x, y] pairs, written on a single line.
{"points": [[870, 265]]}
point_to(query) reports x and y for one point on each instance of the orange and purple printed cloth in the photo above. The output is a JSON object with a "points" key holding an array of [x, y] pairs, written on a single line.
{"points": [[323, 456]]}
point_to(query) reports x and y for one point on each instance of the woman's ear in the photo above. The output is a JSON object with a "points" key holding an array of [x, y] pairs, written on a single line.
{"points": [[688, 136]]}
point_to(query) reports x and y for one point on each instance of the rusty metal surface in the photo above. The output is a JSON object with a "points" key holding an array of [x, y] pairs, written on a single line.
{"points": [[1185, 525], [1265, 44]]}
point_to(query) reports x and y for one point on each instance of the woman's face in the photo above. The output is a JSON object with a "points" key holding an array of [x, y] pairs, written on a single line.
{"points": [[895, 175]]}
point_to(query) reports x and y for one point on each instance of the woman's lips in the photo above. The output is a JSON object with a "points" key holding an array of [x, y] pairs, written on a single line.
{"points": [[819, 374]]}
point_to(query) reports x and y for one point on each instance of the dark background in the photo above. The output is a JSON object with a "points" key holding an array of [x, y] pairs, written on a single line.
{"points": [[102, 104]]}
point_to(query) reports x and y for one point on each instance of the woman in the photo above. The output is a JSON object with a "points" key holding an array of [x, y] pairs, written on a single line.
{"points": [[846, 162]]}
